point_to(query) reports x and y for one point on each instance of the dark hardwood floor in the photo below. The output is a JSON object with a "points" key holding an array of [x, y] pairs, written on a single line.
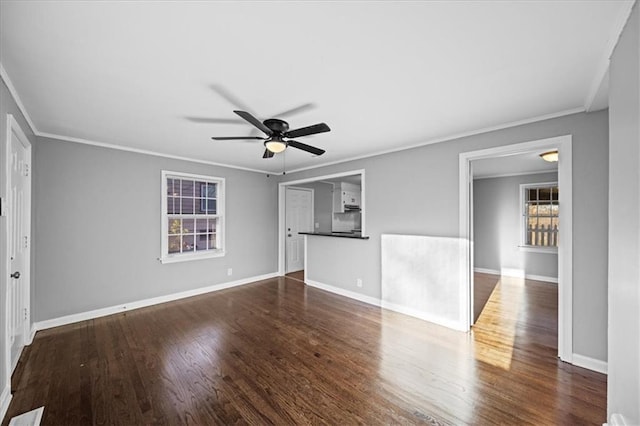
{"points": [[278, 352]]}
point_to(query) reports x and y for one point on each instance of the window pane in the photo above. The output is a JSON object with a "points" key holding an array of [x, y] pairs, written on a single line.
{"points": [[211, 190], [187, 188], [169, 186], [212, 225], [174, 226], [200, 188], [201, 242], [187, 243], [188, 226], [201, 226], [201, 206], [213, 244], [212, 206], [170, 209], [187, 205], [554, 194], [555, 209], [532, 209], [174, 244], [544, 209], [532, 194], [544, 194]]}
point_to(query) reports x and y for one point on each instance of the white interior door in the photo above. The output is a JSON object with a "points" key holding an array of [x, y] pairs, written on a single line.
{"points": [[19, 160], [298, 218]]}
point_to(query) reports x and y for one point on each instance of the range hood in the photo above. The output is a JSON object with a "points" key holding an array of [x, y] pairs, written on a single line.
{"points": [[351, 208]]}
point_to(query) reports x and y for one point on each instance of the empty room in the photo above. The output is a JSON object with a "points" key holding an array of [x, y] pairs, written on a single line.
{"points": [[306, 212]]}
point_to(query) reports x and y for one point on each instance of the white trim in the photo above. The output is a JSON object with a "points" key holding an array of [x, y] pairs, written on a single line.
{"points": [[342, 292], [455, 325], [145, 151], [5, 400], [543, 250], [450, 137], [518, 274], [590, 363], [565, 251], [32, 334], [165, 256], [97, 313], [30, 418], [603, 63], [14, 93], [282, 212], [499, 175]]}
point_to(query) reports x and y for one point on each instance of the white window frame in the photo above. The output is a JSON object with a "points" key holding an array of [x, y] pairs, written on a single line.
{"points": [[165, 256], [523, 228]]}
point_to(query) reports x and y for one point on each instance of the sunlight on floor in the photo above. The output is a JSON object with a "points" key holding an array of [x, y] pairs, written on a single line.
{"points": [[495, 331]]}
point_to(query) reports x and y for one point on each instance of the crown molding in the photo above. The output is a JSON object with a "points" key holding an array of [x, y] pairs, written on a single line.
{"points": [[16, 97], [451, 137]]}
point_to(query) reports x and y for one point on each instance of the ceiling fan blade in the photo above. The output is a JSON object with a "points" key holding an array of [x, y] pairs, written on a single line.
{"points": [[310, 130], [296, 110], [251, 119], [215, 120], [229, 97], [267, 154], [305, 147], [232, 138]]}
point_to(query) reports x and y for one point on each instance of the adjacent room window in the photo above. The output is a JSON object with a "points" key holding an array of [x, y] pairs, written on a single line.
{"points": [[540, 215], [192, 217]]}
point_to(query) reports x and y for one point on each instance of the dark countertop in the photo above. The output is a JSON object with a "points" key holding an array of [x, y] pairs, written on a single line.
{"points": [[355, 235]]}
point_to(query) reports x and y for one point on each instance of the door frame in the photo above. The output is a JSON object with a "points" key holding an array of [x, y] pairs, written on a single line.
{"points": [[13, 128], [282, 186], [312, 191], [565, 250]]}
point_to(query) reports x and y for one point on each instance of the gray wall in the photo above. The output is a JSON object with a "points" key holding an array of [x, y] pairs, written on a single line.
{"points": [[624, 225], [7, 106], [322, 204], [416, 192], [497, 227], [97, 228]]}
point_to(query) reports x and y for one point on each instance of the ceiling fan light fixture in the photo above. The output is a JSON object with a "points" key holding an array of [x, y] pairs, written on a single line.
{"points": [[276, 146], [550, 156]]}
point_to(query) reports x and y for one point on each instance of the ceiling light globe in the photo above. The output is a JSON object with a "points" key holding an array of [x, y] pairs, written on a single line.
{"points": [[550, 156], [275, 146]]}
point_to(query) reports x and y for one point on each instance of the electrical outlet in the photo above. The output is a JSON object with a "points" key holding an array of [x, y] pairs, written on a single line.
{"points": [[359, 282], [229, 271]]}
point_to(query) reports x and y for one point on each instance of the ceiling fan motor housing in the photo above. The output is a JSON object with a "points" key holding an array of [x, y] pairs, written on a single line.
{"points": [[276, 125]]}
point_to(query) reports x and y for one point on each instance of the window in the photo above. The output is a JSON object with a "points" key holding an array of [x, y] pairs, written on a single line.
{"points": [[540, 216], [192, 217]]}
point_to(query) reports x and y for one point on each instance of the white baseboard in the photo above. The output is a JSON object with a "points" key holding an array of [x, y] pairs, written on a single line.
{"points": [[386, 305], [5, 399], [589, 363], [97, 313], [517, 273], [346, 293], [455, 325]]}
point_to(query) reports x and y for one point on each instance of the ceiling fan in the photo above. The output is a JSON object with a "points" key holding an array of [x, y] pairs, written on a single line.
{"points": [[278, 135]]}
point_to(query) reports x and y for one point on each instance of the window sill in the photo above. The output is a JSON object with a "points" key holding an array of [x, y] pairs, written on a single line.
{"points": [[534, 249], [188, 257]]}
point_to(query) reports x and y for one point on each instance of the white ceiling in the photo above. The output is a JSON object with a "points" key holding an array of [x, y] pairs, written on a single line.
{"points": [[383, 75]]}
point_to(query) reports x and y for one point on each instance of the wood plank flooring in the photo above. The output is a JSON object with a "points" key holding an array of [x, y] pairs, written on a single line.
{"points": [[278, 352]]}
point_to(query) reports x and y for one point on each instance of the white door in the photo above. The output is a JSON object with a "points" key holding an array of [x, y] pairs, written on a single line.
{"points": [[298, 218], [19, 162]]}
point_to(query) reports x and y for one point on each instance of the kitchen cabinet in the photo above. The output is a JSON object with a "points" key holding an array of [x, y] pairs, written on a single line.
{"points": [[346, 194]]}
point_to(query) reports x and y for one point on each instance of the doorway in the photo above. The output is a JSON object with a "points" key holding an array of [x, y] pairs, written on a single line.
{"points": [[298, 218], [565, 250], [18, 211]]}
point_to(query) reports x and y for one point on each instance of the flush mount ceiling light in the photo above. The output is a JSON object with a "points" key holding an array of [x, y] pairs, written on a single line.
{"points": [[275, 145], [550, 156]]}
